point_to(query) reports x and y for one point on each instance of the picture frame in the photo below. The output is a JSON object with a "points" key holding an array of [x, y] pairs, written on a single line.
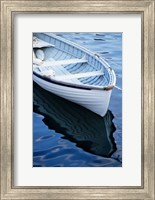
{"points": [[8, 10]]}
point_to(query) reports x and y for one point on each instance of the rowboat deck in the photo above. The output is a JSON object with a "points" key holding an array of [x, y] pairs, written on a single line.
{"points": [[70, 68]]}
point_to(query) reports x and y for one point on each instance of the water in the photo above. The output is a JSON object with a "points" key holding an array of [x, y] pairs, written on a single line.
{"points": [[68, 135]]}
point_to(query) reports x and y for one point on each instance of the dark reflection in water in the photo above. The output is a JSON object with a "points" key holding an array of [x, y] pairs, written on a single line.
{"points": [[92, 133]]}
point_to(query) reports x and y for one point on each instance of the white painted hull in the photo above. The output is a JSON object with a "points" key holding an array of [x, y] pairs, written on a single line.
{"points": [[95, 100]]}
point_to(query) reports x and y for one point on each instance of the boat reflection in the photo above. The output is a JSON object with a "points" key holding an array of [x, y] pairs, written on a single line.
{"points": [[86, 129]]}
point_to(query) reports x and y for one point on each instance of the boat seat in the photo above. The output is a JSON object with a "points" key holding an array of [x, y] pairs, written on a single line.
{"points": [[64, 62], [53, 72], [79, 75]]}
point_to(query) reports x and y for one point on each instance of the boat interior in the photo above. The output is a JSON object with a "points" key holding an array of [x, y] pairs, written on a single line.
{"points": [[62, 63]]}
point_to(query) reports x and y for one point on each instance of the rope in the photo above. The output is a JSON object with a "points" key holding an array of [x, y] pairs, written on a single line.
{"points": [[118, 88]]}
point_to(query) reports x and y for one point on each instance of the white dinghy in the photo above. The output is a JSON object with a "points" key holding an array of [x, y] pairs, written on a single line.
{"points": [[72, 72]]}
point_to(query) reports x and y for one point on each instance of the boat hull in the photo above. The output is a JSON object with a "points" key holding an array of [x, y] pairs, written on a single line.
{"points": [[95, 100]]}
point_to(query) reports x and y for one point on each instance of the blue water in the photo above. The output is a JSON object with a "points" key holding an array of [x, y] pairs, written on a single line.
{"points": [[68, 135]]}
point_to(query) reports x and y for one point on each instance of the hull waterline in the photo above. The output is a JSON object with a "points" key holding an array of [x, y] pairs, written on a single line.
{"points": [[95, 100]]}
